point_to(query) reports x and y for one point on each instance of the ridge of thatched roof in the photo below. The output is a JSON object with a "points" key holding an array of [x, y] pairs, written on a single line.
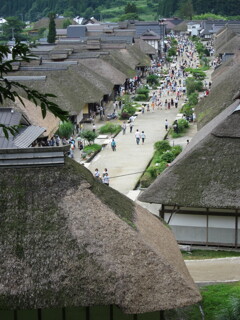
{"points": [[105, 70], [224, 87], [68, 240], [206, 173]]}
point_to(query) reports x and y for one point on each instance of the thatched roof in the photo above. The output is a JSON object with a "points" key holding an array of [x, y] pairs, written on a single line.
{"points": [[119, 64], [145, 47], [231, 46], [105, 70], [44, 23], [224, 87], [206, 173], [74, 87], [181, 27], [68, 240]]}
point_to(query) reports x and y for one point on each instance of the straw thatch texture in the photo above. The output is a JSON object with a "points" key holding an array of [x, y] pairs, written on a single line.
{"points": [[224, 88], [222, 37], [206, 173], [145, 47], [68, 240], [73, 87], [105, 70], [231, 46]]}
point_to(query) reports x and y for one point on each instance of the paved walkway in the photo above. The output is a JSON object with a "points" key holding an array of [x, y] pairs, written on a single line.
{"points": [[214, 270]]}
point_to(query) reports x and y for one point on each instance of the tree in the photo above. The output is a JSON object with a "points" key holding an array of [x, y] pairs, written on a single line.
{"points": [[13, 28], [186, 9], [88, 135], [65, 129], [52, 28], [10, 89], [130, 8]]}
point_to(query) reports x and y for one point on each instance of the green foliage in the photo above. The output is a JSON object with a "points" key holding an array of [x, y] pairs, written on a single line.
{"points": [[176, 150], [187, 109], [88, 135], [142, 94], [182, 125], [168, 156], [92, 148], [65, 129], [130, 8], [66, 23], [13, 28], [193, 85], [162, 146], [110, 128], [9, 89], [51, 38], [193, 99], [172, 52], [198, 74], [185, 10], [129, 16], [209, 16], [128, 107], [152, 79]]}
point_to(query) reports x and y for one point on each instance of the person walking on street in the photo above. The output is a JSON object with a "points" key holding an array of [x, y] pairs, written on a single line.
{"points": [[105, 179], [97, 174], [131, 127], [113, 145], [143, 137], [124, 127], [166, 125], [94, 128], [137, 136]]}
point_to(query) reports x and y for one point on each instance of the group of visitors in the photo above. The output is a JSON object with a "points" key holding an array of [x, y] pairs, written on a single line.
{"points": [[104, 178]]}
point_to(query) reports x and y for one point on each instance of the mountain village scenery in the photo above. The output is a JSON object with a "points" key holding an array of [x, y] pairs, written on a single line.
{"points": [[119, 169]]}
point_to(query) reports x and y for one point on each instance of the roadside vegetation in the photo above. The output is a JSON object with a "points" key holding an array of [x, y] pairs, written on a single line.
{"points": [[110, 128], [163, 155]]}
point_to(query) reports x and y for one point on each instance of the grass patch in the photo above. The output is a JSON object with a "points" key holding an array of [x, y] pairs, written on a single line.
{"points": [[92, 148], [110, 128], [209, 254]]}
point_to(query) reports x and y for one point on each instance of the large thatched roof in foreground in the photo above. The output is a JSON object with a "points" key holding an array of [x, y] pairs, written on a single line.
{"points": [[206, 173], [226, 84], [68, 240]]}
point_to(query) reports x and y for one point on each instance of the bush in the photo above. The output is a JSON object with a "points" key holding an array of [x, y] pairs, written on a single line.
{"points": [[152, 79], [176, 150], [92, 148], [110, 128], [168, 156], [187, 109], [172, 52], [130, 110], [88, 135], [141, 97], [193, 85], [182, 125], [193, 99], [65, 129], [144, 90], [162, 146]]}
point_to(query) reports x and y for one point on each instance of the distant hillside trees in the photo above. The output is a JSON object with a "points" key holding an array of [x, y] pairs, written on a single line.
{"points": [[185, 10], [130, 8], [52, 28]]}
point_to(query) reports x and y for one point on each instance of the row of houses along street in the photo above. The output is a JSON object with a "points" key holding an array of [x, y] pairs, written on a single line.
{"points": [[68, 240]]}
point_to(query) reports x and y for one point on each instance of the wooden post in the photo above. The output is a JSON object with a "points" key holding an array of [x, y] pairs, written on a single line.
{"points": [[15, 315], [63, 314], [162, 316], [207, 224], [87, 313], [111, 312], [39, 314], [236, 229]]}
